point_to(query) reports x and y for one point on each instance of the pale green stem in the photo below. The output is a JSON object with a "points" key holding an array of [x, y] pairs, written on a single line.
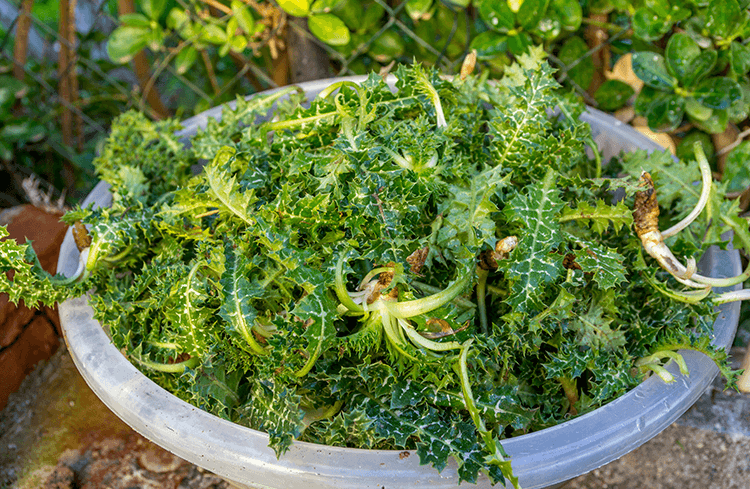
{"points": [[392, 332], [495, 290], [689, 297], [161, 344], [170, 368], [407, 309], [430, 289], [340, 84], [737, 295], [331, 411], [289, 123], [340, 286], [119, 256], [662, 372], [705, 193], [423, 342], [597, 156], [656, 357], [481, 299]]}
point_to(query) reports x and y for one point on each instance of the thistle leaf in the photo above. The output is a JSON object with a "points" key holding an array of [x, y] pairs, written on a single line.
{"points": [[605, 263], [274, 408], [599, 216], [237, 290], [224, 189], [532, 263], [519, 130]]}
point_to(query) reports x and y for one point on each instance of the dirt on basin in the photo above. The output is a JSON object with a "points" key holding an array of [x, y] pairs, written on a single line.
{"points": [[680, 457], [708, 447], [56, 434]]}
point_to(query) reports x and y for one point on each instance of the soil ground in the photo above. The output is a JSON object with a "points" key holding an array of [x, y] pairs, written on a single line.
{"points": [[55, 434]]}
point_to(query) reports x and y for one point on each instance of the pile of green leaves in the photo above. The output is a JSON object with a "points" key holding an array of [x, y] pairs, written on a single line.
{"points": [[239, 289]]}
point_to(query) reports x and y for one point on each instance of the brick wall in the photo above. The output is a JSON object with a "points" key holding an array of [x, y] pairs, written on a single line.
{"points": [[28, 336]]}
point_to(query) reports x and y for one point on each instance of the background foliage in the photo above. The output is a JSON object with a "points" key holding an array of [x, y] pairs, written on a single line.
{"points": [[676, 70]]}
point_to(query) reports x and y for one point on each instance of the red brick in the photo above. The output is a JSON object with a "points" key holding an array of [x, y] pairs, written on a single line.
{"points": [[38, 341], [12, 320], [54, 317], [25, 336], [43, 228]]}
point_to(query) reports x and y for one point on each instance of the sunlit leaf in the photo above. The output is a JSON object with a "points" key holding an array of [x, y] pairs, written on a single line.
{"points": [[127, 41], [329, 29]]}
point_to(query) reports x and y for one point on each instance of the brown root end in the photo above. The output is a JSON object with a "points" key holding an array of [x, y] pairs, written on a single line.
{"points": [[417, 259], [468, 65], [646, 208], [487, 260], [385, 278], [81, 236], [569, 262]]}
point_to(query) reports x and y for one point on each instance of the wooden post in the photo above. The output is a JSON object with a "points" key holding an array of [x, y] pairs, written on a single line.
{"points": [[72, 71], [63, 64], [141, 68], [307, 60], [22, 39], [596, 36]]}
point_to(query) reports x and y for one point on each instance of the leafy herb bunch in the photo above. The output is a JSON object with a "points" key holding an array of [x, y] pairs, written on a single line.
{"points": [[434, 268]]}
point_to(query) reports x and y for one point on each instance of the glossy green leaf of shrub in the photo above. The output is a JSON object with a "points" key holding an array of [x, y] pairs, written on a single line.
{"points": [[613, 94], [723, 18], [654, 19], [489, 44], [368, 20], [127, 41], [739, 58], [718, 92], [519, 43], [329, 29], [326, 6], [298, 8], [497, 16], [529, 15], [185, 59], [568, 12], [652, 70], [686, 150], [213, 34], [574, 49], [649, 26], [715, 124], [695, 27], [359, 17], [20, 133], [740, 108], [736, 168], [686, 61], [156, 38], [663, 111], [696, 110], [6, 150], [417, 9], [135, 20], [244, 18], [10, 90], [386, 47], [153, 8], [179, 20]]}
